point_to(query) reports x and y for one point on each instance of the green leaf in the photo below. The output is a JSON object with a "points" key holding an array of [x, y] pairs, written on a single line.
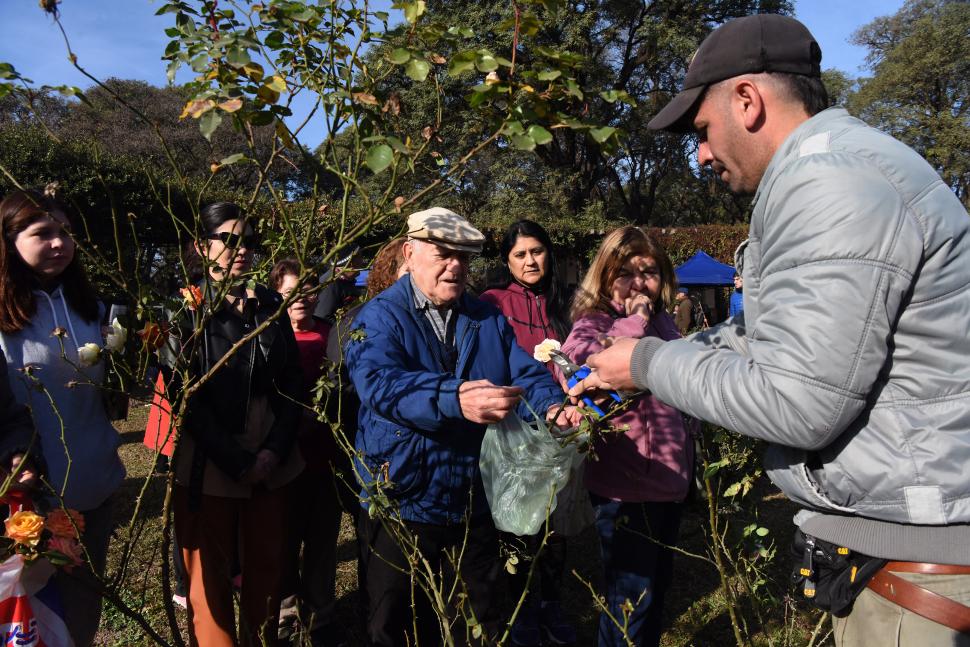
{"points": [[713, 468], [514, 128], [400, 56], [209, 122], [379, 158], [417, 69], [397, 145], [733, 489], [600, 135], [232, 159], [572, 89], [263, 118], [486, 63], [413, 11], [476, 99], [237, 57], [539, 134], [523, 142], [461, 62], [549, 75], [762, 532], [612, 96], [274, 40]]}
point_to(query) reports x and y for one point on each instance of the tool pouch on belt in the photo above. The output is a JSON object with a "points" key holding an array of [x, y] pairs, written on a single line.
{"points": [[829, 576]]}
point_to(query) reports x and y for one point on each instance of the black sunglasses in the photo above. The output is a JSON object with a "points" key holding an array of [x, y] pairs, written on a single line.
{"points": [[236, 241]]}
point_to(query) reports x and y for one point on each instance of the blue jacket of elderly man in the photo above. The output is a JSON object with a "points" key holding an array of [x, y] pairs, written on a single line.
{"points": [[411, 430]]}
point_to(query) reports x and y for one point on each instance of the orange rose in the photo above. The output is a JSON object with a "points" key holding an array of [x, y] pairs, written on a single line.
{"points": [[60, 524], [25, 527], [153, 336], [69, 548], [192, 295]]}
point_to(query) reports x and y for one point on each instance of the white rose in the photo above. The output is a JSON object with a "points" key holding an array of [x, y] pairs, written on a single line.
{"points": [[115, 340], [542, 351], [87, 355]]}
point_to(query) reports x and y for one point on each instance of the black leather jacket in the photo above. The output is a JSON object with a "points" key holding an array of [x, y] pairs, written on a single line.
{"points": [[268, 365]]}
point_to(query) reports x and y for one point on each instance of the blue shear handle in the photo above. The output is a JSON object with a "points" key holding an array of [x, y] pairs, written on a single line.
{"points": [[575, 379]]}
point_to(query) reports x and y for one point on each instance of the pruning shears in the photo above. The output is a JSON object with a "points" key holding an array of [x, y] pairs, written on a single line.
{"points": [[574, 373]]}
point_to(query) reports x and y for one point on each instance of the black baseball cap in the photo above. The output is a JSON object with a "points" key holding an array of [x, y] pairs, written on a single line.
{"points": [[750, 45]]}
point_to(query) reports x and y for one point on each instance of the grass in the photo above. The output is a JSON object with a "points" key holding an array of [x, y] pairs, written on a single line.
{"points": [[695, 608]]}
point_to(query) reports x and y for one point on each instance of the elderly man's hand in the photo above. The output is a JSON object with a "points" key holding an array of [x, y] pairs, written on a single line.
{"points": [[483, 402], [569, 417], [611, 369]]}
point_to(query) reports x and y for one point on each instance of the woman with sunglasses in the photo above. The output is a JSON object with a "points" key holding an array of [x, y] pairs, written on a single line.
{"points": [[236, 461]]}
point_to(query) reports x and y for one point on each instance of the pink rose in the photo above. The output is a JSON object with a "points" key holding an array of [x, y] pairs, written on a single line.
{"points": [[69, 548]]}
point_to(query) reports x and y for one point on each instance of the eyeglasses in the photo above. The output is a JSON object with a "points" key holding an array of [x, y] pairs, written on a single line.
{"points": [[236, 241]]}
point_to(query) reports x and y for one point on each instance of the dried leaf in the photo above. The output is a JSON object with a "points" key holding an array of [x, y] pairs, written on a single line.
{"points": [[393, 104], [196, 108], [364, 98], [232, 105]]}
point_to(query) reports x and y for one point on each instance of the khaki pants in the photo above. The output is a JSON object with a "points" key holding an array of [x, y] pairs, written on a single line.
{"points": [[877, 622]]}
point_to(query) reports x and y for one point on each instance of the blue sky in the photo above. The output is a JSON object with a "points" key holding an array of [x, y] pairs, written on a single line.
{"points": [[123, 38]]}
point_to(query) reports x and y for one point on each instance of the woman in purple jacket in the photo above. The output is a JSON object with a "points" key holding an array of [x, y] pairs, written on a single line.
{"points": [[533, 302], [641, 479]]}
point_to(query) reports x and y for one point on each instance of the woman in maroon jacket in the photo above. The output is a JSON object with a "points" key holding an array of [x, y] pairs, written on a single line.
{"points": [[532, 299]]}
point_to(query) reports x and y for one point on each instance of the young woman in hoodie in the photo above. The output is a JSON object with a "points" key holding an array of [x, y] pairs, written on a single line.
{"points": [[640, 480], [48, 312], [531, 298]]}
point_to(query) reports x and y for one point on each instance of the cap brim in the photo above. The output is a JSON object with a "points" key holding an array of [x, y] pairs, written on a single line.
{"points": [[473, 248], [458, 247], [676, 116]]}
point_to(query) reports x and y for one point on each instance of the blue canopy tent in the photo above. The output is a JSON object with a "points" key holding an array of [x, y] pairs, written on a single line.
{"points": [[704, 275], [701, 269]]}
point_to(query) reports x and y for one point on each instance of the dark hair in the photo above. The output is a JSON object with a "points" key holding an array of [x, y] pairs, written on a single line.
{"points": [[384, 269], [807, 90], [214, 215], [551, 285], [211, 218], [18, 211], [282, 269]]}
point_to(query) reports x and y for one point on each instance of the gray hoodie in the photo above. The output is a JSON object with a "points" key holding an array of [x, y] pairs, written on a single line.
{"points": [[78, 442]]}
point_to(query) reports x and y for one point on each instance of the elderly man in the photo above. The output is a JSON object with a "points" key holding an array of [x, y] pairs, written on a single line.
{"points": [[852, 358], [433, 366]]}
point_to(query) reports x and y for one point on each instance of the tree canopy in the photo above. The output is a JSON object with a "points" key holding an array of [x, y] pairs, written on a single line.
{"points": [[920, 59]]}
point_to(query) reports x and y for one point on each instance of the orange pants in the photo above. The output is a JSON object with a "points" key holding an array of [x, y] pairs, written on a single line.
{"points": [[209, 537]]}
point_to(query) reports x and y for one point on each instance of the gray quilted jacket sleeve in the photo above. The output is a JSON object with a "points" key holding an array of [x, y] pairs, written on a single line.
{"points": [[831, 258]]}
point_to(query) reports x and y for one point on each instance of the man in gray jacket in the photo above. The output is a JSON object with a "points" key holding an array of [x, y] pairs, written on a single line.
{"points": [[852, 357]]}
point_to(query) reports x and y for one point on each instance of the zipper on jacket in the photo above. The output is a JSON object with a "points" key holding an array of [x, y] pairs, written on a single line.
{"points": [[249, 382]]}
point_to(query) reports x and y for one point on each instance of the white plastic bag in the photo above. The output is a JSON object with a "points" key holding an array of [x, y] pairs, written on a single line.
{"points": [[523, 469]]}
